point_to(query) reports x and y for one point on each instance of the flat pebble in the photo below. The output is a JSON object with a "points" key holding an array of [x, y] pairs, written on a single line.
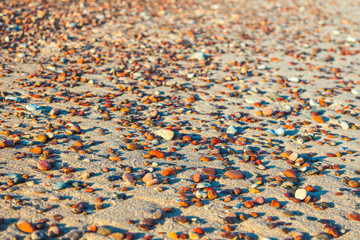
{"points": [[59, 185]]}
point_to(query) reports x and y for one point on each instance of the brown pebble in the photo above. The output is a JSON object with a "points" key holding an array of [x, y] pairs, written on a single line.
{"points": [[197, 177], [353, 184], [290, 173], [168, 172], [43, 165], [208, 171], [133, 146], [235, 174]]}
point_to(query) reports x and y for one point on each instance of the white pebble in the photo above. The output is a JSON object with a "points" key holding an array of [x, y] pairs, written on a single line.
{"points": [[300, 194]]}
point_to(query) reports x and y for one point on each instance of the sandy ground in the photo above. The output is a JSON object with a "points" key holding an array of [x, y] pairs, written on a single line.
{"points": [[200, 64]]}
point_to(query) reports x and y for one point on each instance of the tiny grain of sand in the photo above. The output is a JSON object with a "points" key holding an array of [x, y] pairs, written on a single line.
{"points": [[179, 119]]}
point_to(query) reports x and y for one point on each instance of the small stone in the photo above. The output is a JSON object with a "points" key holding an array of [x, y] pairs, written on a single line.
{"points": [[322, 236], [73, 235], [259, 201], [200, 56], [288, 213], [144, 227], [54, 112], [290, 173], [33, 107], [159, 214], [203, 185], [353, 184], [182, 219], [286, 154], [168, 172], [229, 220], [26, 227], [300, 194], [43, 165], [165, 134], [194, 235], [267, 111], [38, 235], [294, 79], [128, 177], [133, 146], [201, 194], [355, 92], [261, 167], [157, 154], [293, 156], [208, 171], [235, 174], [41, 138], [231, 130], [271, 132], [313, 103], [117, 235], [147, 177], [54, 231], [36, 150], [354, 216], [103, 231], [280, 131], [152, 182], [212, 194], [197, 177], [59, 185], [275, 203], [237, 191], [344, 125]]}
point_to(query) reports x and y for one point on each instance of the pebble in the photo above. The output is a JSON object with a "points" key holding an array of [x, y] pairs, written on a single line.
{"points": [[203, 185], [294, 79], [41, 138], [344, 125], [54, 231], [59, 185], [322, 236], [231, 130], [168, 172], [74, 234], [159, 214], [300, 194], [200, 56], [133, 146], [201, 194], [235, 174], [165, 134], [288, 213], [38, 235], [147, 177], [290, 173], [33, 107], [26, 227], [280, 131], [127, 177], [43, 165], [259, 201], [197, 177], [267, 111], [103, 231], [313, 103], [355, 92], [293, 156]]}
